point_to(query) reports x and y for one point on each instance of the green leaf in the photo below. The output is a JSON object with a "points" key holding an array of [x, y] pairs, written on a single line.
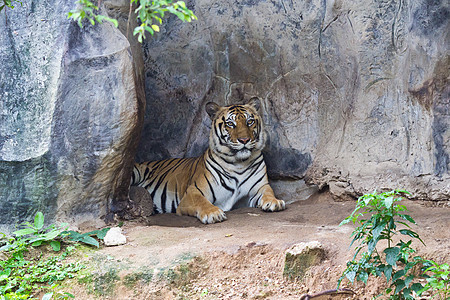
{"points": [[417, 287], [392, 225], [39, 220], [56, 245], [407, 218], [102, 233], [73, 235], [90, 241], [155, 27], [407, 294], [137, 30], [5, 274], [392, 255], [408, 280], [149, 29], [363, 276], [52, 234], [411, 234], [388, 272], [402, 192], [398, 275], [37, 243], [399, 285], [378, 229], [5, 247], [371, 245], [351, 276], [24, 231]]}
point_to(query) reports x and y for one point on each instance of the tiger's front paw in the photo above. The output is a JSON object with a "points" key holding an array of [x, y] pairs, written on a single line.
{"points": [[211, 215], [271, 204]]}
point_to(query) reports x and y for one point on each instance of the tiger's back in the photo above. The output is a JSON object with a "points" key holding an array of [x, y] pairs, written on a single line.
{"points": [[166, 180]]}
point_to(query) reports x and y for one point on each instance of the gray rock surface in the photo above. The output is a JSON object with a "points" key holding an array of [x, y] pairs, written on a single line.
{"points": [[69, 115], [355, 94]]}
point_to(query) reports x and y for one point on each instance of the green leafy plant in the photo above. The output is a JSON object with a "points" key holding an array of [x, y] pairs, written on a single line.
{"points": [[149, 11], [149, 14], [22, 277], [394, 262], [88, 10], [35, 235], [438, 279], [87, 238], [39, 235], [26, 271], [9, 3]]}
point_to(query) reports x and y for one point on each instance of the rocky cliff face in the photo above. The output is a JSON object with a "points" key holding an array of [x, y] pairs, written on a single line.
{"points": [[355, 94], [69, 115], [355, 97]]}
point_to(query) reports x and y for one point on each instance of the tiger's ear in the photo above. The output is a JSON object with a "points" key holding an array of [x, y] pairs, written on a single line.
{"points": [[212, 108], [255, 103]]}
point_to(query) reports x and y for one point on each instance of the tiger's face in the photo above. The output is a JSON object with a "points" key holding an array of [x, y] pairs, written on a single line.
{"points": [[237, 131]]}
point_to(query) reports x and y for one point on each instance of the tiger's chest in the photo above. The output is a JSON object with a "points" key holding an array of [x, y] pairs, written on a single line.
{"points": [[240, 186]]}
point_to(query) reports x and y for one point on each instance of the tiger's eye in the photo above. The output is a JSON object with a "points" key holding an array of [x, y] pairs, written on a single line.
{"points": [[250, 122], [230, 124]]}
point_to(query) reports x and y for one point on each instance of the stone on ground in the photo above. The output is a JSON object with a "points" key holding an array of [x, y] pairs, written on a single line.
{"points": [[300, 257], [114, 237]]}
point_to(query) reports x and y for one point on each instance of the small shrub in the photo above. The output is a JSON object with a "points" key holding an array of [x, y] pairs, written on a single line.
{"points": [[394, 262]]}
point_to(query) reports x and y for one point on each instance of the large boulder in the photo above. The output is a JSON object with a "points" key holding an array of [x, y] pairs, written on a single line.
{"points": [[69, 115], [355, 94]]}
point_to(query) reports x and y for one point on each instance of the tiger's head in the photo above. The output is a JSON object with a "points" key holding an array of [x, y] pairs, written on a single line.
{"points": [[237, 131]]}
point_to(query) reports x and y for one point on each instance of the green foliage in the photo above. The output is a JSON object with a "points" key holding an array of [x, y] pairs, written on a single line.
{"points": [[87, 238], [22, 277], [438, 279], [25, 272], [8, 3], [394, 262], [149, 13], [87, 10], [35, 235]]}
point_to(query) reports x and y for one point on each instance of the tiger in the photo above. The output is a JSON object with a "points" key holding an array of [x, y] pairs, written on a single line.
{"points": [[231, 170]]}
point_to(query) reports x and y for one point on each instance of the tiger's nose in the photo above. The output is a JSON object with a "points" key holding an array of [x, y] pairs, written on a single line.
{"points": [[243, 140]]}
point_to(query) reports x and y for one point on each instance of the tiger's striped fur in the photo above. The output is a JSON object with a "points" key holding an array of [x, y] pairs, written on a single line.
{"points": [[230, 171]]}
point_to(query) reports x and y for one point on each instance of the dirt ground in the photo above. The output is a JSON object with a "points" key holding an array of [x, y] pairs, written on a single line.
{"points": [[175, 257]]}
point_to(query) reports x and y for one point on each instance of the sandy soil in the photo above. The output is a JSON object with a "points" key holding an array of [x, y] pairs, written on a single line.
{"points": [[175, 257]]}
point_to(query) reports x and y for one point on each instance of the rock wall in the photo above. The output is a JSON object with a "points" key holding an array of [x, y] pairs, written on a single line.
{"points": [[355, 93], [69, 115], [355, 97]]}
